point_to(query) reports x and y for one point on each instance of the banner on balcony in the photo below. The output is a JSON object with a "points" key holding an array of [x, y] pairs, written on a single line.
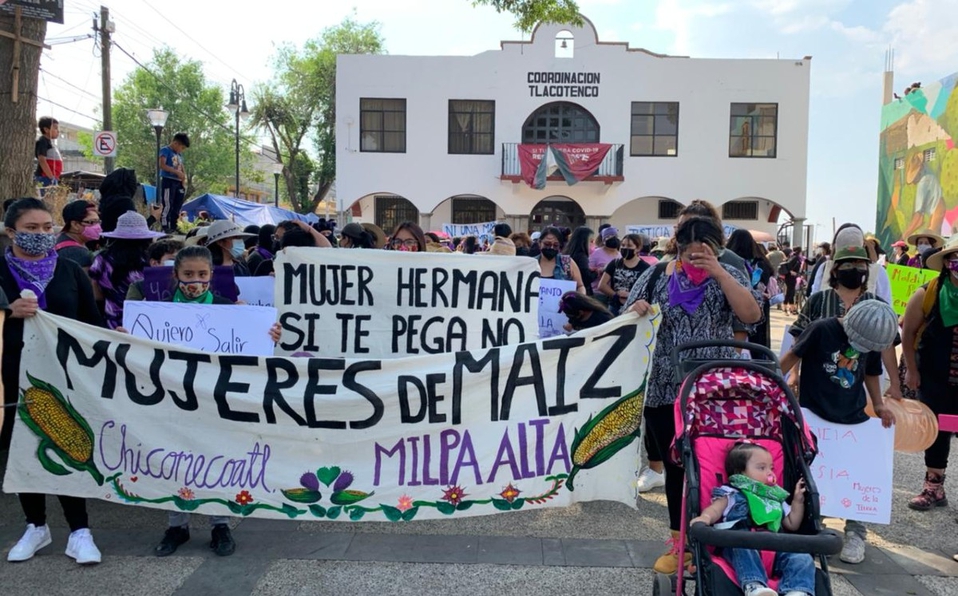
{"points": [[574, 161], [389, 304], [111, 416]]}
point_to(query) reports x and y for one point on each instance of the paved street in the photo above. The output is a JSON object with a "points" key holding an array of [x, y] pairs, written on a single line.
{"points": [[591, 548]]}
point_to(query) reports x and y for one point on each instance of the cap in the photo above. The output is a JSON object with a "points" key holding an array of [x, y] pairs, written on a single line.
{"points": [[851, 253], [850, 236], [609, 232], [871, 326], [353, 230], [901, 244]]}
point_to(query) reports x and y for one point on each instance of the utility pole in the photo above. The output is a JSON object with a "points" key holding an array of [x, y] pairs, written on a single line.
{"points": [[105, 29]]}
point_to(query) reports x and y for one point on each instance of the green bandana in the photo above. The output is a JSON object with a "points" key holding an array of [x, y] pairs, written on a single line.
{"points": [[764, 501], [205, 298], [948, 304]]}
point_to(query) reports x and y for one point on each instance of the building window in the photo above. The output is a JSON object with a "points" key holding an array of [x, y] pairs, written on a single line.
{"points": [[753, 130], [929, 155], [560, 122], [382, 125], [669, 209], [655, 128], [392, 210], [740, 210], [899, 163], [472, 210], [472, 126]]}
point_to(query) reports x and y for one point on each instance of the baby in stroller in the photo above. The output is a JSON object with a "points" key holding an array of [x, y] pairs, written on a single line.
{"points": [[752, 499]]}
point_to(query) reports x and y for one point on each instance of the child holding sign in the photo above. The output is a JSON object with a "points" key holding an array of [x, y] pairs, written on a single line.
{"points": [[753, 499], [840, 361]]}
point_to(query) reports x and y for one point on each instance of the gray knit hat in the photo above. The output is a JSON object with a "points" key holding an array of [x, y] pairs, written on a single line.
{"points": [[871, 326]]}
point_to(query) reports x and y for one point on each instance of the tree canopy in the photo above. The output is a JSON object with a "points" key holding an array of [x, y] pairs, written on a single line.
{"points": [[529, 13]]}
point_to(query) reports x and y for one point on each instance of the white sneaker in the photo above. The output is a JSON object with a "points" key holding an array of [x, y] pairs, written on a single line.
{"points": [[759, 590], [33, 540], [650, 479], [854, 549], [82, 548]]}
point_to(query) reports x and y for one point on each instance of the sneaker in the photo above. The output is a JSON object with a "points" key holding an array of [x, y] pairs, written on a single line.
{"points": [[854, 550], [172, 540], [32, 540], [222, 542], [650, 479], [81, 548], [759, 590]]}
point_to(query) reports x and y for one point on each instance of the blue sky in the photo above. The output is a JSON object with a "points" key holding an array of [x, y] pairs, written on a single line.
{"points": [[847, 39]]}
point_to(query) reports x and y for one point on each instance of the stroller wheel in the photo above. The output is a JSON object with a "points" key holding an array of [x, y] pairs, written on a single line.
{"points": [[663, 585]]}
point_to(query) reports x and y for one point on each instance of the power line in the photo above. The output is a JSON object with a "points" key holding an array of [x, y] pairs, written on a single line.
{"points": [[68, 83], [63, 107]]}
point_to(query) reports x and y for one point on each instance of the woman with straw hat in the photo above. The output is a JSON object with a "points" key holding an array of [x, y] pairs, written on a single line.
{"points": [[226, 241], [925, 242]]}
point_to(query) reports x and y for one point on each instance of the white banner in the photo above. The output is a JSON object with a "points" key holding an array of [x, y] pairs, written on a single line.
{"points": [[257, 291], [551, 321], [219, 328], [853, 468], [485, 230], [109, 416], [387, 304], [655, 231]]}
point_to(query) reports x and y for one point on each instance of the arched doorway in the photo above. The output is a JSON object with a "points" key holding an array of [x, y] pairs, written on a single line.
{"points": [[560, 122], [392, 210], [560, 212]]}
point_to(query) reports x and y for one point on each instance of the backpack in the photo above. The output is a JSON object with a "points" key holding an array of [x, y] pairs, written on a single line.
{"points": [[927, 305], [67, 244]]}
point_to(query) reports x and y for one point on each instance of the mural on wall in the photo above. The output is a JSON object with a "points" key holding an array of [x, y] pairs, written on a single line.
{"points": [[918, 162]]}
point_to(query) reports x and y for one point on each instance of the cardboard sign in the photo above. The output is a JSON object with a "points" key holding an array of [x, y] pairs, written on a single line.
{"points": [[257, 291], [904, 282], [212, 328], [442, 436], [159, 285], [551, 321], [853, 468]]}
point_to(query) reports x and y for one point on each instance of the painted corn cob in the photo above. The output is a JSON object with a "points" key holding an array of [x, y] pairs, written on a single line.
{"points": [[607, 433], [60, 428]]}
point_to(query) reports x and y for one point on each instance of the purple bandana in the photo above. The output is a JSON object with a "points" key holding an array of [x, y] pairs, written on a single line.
{"points": [[33, 275], [683, 293]]}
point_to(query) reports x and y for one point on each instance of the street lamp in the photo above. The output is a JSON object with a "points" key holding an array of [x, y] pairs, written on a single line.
{"points": [[157, 117], [237, 105], [277, 170]]}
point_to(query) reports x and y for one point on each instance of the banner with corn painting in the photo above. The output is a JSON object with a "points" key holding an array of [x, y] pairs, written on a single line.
{"points": [[109, 416]]}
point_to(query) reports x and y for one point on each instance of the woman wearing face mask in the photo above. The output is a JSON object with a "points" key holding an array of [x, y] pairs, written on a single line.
{"points": [[59, 287], [621, 274], [924, 241], [81, 225], [161, 254], [578, 250], [121, 263], [700, 299], [553, 265], [408, 237], [600, 259], [226, 242]]}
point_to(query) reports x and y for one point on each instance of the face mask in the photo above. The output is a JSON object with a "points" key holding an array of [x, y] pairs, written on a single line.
{"points": [[613, 243], [194, 289], [922, 247], [550, 253], [628, 253], [35, 244], [696, 275], [92, 232], [237, 249], [169, 263], [953, 266], [850, 278]]}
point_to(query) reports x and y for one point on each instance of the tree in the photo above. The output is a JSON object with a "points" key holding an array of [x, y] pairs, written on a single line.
{"points": [[18, 124], [529, 13], [300, 104], [195, 107]]}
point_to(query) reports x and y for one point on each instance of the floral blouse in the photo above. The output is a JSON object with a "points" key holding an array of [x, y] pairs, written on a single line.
{"points": [[714, 319]]}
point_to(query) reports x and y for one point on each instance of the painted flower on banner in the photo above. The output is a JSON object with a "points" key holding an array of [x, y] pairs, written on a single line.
{"points": [[343, 482], [454, 494], [405, 503], [510, 493], [309, 481], [186, 494], [244, 498]]}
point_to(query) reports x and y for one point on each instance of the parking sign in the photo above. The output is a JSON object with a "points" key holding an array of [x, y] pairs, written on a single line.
{"points": [[104, 144]]}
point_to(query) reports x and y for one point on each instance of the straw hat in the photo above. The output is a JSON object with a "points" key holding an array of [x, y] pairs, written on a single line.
{"points": [[132, 226], [198, 237], [926, 233], [378, 235], [224, 228], [502, 247], [936, 261], [662, 245]]}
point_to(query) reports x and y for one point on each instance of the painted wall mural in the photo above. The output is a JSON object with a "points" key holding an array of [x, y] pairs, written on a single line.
{"points": [[918, 171]]}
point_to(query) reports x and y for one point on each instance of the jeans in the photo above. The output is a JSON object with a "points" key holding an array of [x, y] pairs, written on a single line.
{"points": [[796, 569], [181, 519]]}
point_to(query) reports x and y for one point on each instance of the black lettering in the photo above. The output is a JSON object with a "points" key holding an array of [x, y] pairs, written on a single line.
{"points": [[465, 360], [405, 413], [345, 317], [404, 286], [532, 296], [439, 278], [189, 402], [469, 279], [365, 295], [224, 386], [509, 298], [488, 290], [285, 321], [273, 392], [564, 345], [132, 387], [290, 275], [311, 318], [515, 380], [66, 344], [434, 398], [349, 382], [313, 388], [345, 284], [589, 390], [360, 333]]}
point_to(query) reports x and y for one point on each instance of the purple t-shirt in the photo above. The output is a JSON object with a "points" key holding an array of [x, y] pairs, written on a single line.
{"points": [[598, 261]]}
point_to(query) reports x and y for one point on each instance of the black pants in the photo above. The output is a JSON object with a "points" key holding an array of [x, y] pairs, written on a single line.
{"points": [[940, 399], [651, 449], [660, 427], [171, 198], [35, 508]]}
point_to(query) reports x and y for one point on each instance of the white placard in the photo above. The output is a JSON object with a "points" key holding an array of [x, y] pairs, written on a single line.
{"points": [[215, 328], [257, 291], [853, 469], [551, 320], [787, 342]]}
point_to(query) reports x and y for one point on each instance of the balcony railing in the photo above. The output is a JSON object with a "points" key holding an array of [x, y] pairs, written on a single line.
{"points": [[610, 170]]}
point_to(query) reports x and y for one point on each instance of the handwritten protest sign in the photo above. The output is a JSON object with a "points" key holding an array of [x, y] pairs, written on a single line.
{"points": [[219, 328], [480, 230], [257, 291], [853, 468], [550, 319], [904, 281], [430, 437], [388, 304], [159, 285]]}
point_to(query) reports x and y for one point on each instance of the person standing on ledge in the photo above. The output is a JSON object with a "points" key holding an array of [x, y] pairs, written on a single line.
{"points": [[171, 188]]}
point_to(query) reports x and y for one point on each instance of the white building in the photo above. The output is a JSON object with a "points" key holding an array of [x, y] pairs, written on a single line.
{"points": [[435, 139]]}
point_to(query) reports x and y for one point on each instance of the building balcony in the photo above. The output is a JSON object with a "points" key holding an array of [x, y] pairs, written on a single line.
{"points": [[610, 170]]}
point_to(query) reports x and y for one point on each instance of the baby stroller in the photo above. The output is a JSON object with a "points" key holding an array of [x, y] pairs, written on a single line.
{"points": [[719, 403]]}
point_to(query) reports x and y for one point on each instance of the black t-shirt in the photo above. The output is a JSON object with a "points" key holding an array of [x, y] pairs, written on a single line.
{"points": [[623, 277], [833, 373]]}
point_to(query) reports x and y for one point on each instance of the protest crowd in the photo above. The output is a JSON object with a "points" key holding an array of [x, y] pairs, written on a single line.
{"points": [[89, 261]]}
